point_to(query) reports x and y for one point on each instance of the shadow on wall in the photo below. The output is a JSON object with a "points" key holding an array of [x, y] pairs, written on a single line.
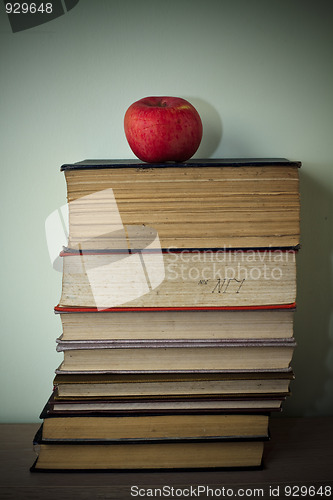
{"points": [[312, 390], [212, 127]]}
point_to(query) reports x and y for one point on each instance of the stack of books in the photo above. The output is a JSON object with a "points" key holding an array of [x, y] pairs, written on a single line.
{"points": [[177, 304]]}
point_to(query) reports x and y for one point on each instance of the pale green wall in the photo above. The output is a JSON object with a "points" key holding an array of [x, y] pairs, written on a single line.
{"points": [[260, 74]]}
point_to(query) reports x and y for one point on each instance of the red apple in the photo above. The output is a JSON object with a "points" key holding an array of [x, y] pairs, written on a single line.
{"points": [[160, 129]]}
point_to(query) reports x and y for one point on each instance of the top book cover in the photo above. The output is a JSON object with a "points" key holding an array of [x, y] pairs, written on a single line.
{"points": [[197, 204]]}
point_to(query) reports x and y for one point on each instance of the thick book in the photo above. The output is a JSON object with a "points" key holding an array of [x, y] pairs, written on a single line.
{"points": [[172, 279], [157, 385], [238, 203], [173, 356], [163, 427], [151, 325], [218, 454]]}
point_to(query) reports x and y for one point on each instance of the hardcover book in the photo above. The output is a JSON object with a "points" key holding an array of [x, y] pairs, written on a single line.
{"points": [[206, 279], [162, 404], [238, 203], [172, 325], [195, 356], [217, 454], [154, 427], [157, 385]]}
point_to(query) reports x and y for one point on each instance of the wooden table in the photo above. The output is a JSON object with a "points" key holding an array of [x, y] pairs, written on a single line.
{"points": [[300, 453]]}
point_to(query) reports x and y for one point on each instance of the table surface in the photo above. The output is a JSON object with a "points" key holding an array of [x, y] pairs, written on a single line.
{"points": [[300, 453]]}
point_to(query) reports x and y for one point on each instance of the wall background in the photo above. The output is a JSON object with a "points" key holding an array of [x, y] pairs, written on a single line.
{"points": [[260, 74]]}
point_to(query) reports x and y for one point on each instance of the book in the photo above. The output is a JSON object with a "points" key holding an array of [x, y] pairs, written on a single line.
{"points": [[238, 203], [154, 427], [149, 385], [70, 407], [66, 405], [218, 454], [171, 279], [154, 325], [214, 356]]}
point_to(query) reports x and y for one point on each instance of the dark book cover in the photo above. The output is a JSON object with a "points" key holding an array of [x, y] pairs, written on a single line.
{"points": [[211, 162]]}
